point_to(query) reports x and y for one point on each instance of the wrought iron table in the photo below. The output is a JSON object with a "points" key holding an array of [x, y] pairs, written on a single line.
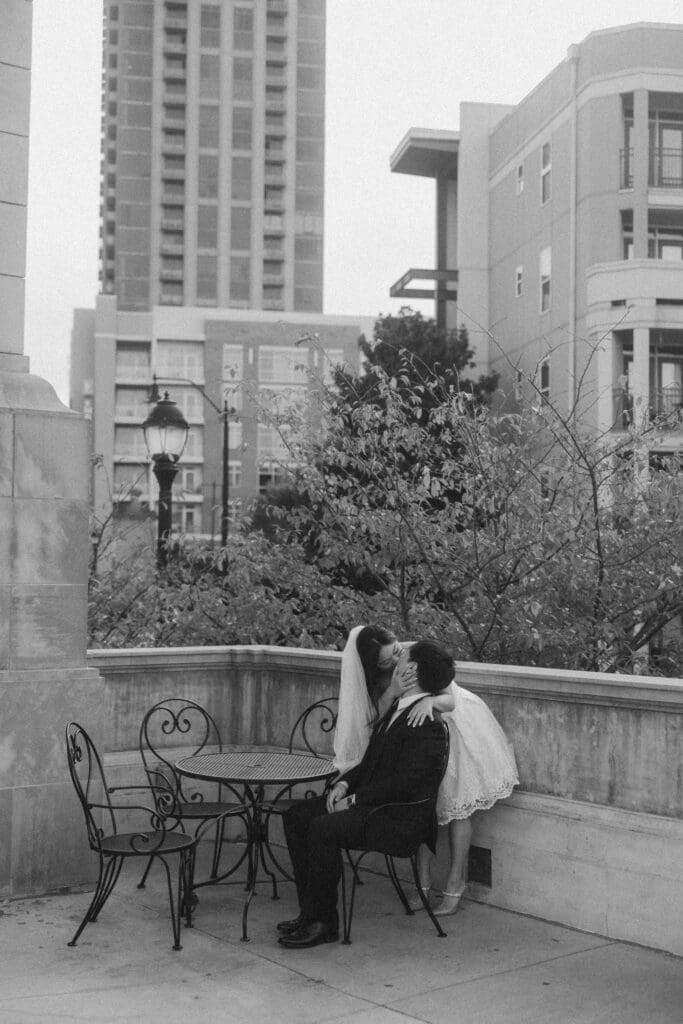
{"points": [[254, 769]]}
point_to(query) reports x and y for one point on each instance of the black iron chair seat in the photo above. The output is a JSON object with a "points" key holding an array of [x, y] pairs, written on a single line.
{"points": [[410, 825], [139, 844]]}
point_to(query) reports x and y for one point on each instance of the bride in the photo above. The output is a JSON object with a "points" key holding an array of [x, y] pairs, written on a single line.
{"points": [[481, 766]]}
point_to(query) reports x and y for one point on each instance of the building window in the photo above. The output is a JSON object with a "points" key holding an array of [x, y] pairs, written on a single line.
{"points": [[206, 279], [241, 177], [240, 279], [519, 273], [520, 179], [546, 172], [233, 363], [241, 127], [545, 268], [240, 227], [190, 480], [180, 359], [280, 364], [209, 75], [242, 87], [208, 126], [210, 26], [207, 226], [544, 379], [235, 474], [208, 175], [243, 28]]}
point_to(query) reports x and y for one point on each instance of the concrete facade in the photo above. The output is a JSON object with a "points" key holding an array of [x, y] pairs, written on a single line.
{"points": [[44, 679], [238, 356], [568, 229]]}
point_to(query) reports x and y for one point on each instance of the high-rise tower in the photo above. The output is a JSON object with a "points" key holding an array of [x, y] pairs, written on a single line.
{"points": [[213, 153]]}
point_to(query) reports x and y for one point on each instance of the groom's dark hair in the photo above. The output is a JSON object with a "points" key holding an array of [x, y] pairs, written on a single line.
{"points": [[435, 665]]}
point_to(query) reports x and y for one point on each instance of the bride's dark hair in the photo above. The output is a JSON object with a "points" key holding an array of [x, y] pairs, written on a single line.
{"points": [[369, 642]]}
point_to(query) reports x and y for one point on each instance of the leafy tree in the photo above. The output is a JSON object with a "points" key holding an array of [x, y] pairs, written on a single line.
{"points": [[560, 550]]}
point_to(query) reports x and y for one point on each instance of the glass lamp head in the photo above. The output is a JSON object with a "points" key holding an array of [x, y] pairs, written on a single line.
{"points": [[165, 431]]}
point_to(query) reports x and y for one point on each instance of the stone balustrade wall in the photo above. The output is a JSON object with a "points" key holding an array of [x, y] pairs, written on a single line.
{"points": [[611, 740]]}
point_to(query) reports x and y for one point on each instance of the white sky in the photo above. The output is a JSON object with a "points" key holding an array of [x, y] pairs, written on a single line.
{"points": [[391, 65]]}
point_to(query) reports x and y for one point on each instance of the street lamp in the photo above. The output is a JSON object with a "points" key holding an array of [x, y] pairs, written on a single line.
{"points": [[165, 431], [225, 414]]}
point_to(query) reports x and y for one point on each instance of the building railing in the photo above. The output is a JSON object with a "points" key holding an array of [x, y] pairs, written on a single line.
{"points": [[665, 408], [666, 168]]}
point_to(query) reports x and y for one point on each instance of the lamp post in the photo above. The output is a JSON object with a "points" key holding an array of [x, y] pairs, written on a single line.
{"points": [[224, 414], [165, 431]]}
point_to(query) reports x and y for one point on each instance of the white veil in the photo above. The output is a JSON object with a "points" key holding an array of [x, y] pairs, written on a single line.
{"points": [[356, 713]]}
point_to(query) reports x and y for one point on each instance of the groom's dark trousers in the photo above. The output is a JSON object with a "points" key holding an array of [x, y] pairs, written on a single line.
{"points": [[402, 763]]}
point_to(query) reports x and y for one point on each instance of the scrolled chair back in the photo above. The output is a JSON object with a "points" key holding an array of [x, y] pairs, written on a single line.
{"points": [[87, 775], [169, 724], [314, 728]]}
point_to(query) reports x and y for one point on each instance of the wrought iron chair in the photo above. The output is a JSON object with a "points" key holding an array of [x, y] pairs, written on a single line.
{"points": [[176, 721], [411, 825], [157, 840], [311, 734]]}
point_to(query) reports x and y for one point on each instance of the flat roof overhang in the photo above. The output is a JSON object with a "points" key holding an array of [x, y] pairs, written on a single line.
{"points": [[427, 152], [400, 289]]}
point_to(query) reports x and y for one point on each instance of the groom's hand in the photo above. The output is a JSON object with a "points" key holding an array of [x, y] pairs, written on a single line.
{"points": [[335, 795]]}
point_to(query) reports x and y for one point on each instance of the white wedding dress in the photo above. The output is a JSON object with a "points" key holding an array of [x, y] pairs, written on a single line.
{"points": [[481, 762]]}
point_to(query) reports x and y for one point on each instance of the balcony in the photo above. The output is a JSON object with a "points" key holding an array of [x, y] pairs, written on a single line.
{"points": [[171, 249], [175, 123], [665, 168], [171, 274], [175, 46], [440, 291], [276, 102], [665, 408]]}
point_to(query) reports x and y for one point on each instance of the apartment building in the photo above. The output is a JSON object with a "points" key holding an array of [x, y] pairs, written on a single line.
{"points": [[560, 229], [213, 124], [211, 256]]}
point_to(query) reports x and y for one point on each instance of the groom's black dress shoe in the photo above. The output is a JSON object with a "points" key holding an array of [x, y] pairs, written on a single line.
{"points": [[287, 927], [312, 933]]}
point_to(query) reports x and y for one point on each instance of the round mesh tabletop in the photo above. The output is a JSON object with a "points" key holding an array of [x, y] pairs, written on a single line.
{"points": [[256, 766]]}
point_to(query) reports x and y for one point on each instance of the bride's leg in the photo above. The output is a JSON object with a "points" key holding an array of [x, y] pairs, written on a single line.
{"points": [[459, 838]]}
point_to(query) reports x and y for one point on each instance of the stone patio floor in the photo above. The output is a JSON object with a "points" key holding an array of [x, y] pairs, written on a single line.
{"points": [[494, 966]]}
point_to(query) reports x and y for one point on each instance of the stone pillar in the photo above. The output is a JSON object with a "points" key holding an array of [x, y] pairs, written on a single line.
{"points": [[44, 681], [641, 145]]}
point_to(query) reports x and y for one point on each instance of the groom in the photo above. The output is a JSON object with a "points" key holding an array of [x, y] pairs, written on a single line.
{"points": [[402, 763]]}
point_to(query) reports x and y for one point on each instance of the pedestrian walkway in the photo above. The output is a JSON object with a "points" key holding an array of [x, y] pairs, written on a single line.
{"points": [[494, 966]]}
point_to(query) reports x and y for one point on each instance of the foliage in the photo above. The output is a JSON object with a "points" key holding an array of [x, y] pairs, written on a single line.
{"points": [[516, 536], [268, 595], [560, 550]]}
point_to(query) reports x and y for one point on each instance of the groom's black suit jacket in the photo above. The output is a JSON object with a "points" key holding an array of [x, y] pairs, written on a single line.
{"points": [[402, 763]]}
